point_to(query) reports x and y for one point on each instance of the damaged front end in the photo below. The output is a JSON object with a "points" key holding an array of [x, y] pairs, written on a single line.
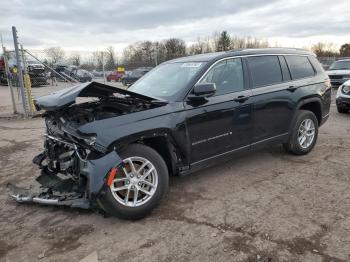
{"points": [[74, 167], [66, 178]]}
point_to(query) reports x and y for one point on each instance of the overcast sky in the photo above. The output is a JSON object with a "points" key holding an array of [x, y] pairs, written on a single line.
{"points": [[92, 25]]}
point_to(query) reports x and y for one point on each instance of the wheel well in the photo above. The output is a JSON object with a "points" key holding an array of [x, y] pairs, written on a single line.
{"points": [[314, 107], [162, 146]]}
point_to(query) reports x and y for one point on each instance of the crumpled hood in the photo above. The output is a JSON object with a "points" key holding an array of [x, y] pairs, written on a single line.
{"points": [[67, 96], [338, 72]]}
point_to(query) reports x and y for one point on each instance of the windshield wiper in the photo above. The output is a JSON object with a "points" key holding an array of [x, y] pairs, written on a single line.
{"points": [[159, 102]]}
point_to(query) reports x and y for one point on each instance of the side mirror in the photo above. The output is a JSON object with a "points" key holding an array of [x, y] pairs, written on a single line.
{"points": [[202, 90]]}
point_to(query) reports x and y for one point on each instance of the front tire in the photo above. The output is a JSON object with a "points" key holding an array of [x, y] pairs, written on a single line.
{"points": [[139, 187], [304, 133]]}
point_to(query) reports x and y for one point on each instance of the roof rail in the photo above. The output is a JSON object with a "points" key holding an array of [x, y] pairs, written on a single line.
{"points": [[261, 48]]}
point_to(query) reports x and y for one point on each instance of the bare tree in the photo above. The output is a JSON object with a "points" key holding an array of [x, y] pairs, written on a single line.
{"points": [[98, 59], [111, 62], [322, 49], [75, 59], [198, 47], [345, 50], [175, 47], [55, 54], [148, 53], [248, 42]]}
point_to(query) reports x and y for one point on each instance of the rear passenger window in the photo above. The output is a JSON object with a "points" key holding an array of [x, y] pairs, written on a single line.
{"points": [[265, 70], [299, 66]]}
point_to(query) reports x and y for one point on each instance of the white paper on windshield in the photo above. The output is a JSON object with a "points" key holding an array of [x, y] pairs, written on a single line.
{"points": [[191, 64]]}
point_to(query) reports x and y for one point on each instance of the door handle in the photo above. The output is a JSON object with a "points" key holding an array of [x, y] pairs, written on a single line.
{"points": [[292, 88], [241, 99]]}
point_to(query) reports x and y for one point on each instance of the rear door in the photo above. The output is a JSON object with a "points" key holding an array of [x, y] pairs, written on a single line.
{"points": [[271, 95], [221, 123]]}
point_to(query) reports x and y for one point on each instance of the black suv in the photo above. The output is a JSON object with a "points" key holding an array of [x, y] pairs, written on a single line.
{"points": [[117, 153]]}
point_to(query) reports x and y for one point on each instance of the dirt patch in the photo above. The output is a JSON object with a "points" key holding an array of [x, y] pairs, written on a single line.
{"points": [[12, 148], [65, 238], [5, 248], [301, 246]]}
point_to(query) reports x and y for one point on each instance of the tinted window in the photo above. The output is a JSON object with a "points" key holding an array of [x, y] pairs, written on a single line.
{"points": [[227, 76], [299, 66], [265, 70]]}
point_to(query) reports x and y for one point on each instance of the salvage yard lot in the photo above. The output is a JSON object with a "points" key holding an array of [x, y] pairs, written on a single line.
{"points": [[263, 206]]}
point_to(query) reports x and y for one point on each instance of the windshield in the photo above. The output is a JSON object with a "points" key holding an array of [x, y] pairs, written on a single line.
{"points": [[340, 65], [166, 80]]}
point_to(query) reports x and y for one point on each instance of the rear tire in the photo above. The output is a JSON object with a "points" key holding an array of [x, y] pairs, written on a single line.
{"points": [[122, 203], [303, 139], [342, 110]]}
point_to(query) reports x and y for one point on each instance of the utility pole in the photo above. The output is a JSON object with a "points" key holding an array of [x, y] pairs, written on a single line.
{"points": [[19, 69], [103, 68], [156, 55]]}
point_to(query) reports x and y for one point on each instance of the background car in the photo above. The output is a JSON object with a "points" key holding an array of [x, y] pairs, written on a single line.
{"points": [[343, 98], [37, 73], [114, 76], [133, 76], [83, 76], [339, 72], [3, 78]]}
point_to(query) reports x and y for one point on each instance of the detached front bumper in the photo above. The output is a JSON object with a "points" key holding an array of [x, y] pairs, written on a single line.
{"points": [[58, 191]]}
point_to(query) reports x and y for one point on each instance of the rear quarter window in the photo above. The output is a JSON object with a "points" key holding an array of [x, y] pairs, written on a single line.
{"points": [[299, 67], [316, 64]]}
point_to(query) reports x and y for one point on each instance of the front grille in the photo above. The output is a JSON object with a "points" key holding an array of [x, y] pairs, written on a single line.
{"points": [[336, 77]]}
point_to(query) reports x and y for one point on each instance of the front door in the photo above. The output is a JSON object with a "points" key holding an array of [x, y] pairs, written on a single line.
{"points": [[221, 123]]}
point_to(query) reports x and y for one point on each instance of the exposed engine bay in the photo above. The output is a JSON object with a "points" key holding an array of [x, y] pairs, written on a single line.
{"points": [[102, 109]]}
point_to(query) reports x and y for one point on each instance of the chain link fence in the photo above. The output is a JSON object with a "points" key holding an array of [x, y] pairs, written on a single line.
{"points": [[327, 61]]}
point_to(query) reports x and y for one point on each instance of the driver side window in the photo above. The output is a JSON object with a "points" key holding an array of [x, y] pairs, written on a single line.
{"points": [[227, 76]]}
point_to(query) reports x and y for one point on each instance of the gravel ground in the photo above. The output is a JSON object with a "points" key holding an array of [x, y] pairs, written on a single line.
{"points": [[263, 206]]}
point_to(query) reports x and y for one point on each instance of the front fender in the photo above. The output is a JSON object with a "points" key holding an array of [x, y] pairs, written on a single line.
{"points": [[96, 171]]}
